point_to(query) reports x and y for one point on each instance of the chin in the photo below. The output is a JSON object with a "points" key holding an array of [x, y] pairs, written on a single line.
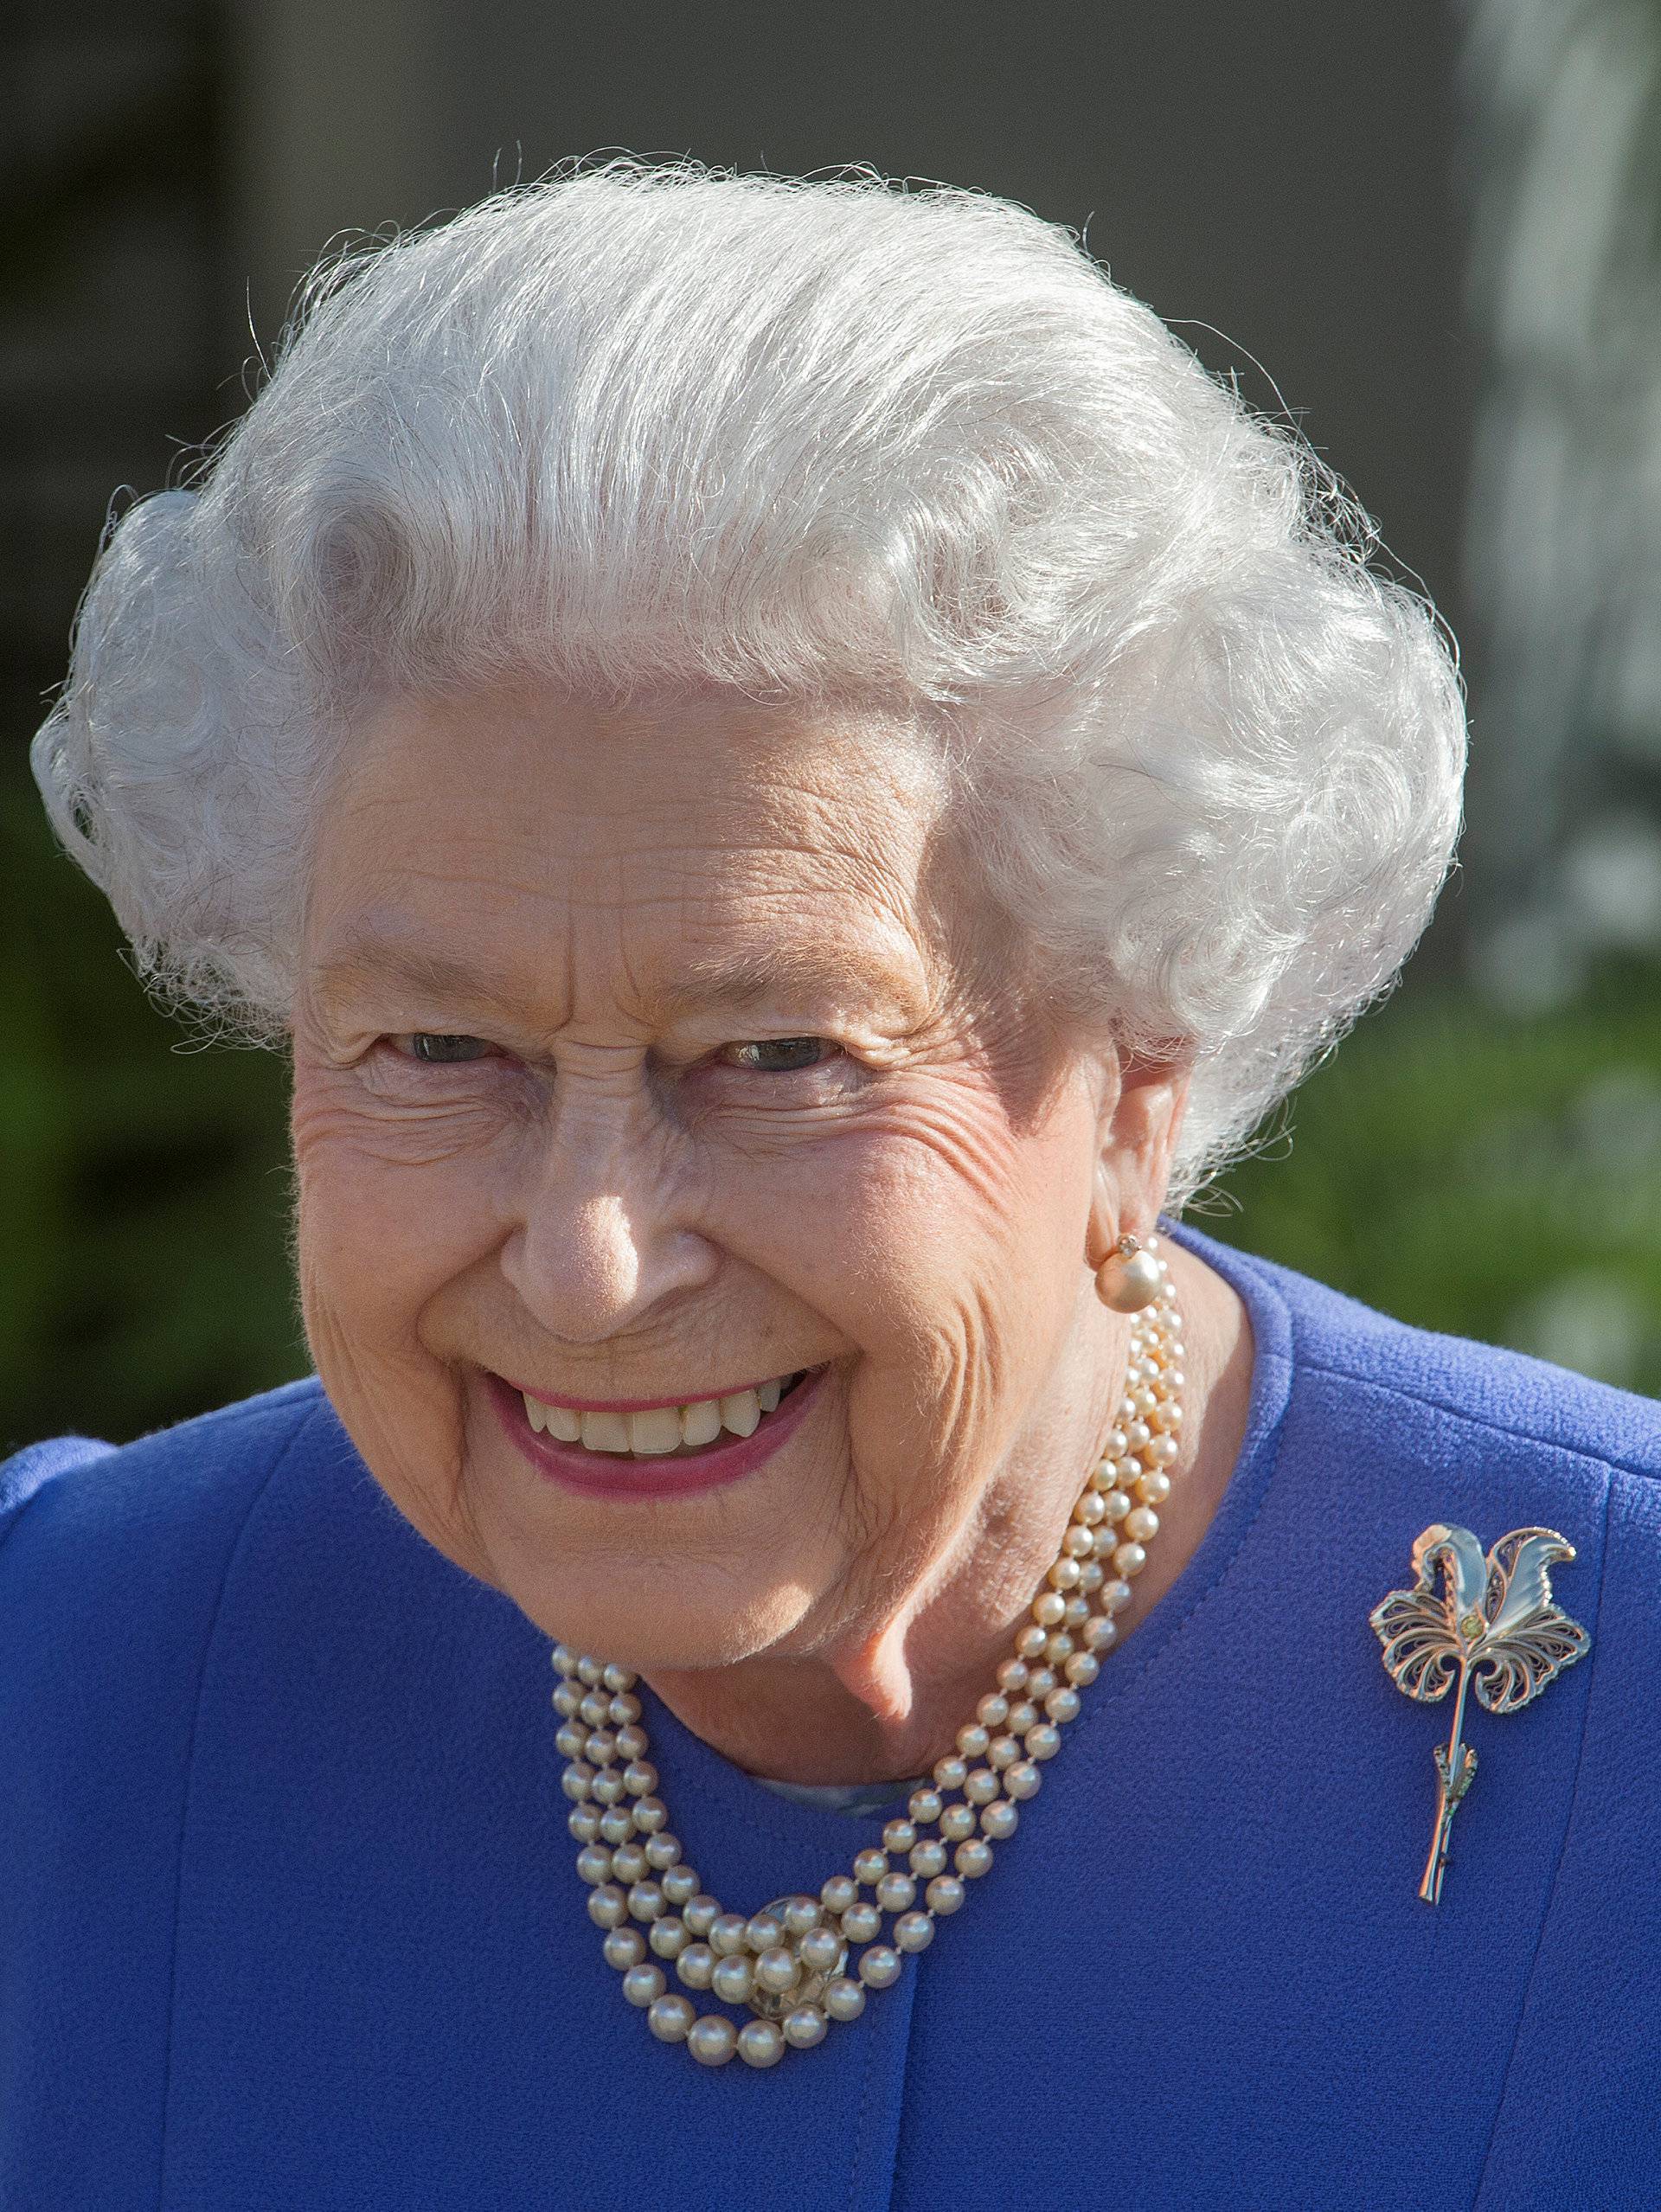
{"points": [[654, 1616]]}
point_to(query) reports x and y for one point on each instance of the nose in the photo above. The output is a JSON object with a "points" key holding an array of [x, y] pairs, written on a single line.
{"points": [[601, 1245]]}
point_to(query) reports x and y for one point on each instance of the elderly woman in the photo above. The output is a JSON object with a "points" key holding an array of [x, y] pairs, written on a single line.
{"points": [[793, 777]]}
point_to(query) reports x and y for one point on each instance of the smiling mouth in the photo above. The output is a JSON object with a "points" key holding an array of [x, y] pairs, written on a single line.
{"points": [[676, 1432]]}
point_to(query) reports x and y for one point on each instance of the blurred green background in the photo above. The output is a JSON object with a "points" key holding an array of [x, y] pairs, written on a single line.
{"points": [[1439, 225]]}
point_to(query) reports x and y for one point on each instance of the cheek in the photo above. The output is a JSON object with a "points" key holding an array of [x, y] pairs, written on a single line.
{"points": [[390, 1206], [938, 1236]]}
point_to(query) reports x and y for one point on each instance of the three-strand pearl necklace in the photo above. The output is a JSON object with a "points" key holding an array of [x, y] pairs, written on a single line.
{"points": [[792, 1964]]}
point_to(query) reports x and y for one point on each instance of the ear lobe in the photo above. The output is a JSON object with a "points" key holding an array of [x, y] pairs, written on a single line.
{"points": [[1138, 1140]]}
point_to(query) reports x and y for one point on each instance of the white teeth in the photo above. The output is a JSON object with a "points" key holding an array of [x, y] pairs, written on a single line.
{"points": [[741, 1412], [657, 1430], [700, 1424], [605, 1431], [660, 1429]]}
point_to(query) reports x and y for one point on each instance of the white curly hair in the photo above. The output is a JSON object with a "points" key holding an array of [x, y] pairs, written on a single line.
{"points": [[639, 426]]}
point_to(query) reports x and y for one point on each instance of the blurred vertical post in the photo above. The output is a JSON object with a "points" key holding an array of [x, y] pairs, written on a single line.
{"points": [[1563, 857]]}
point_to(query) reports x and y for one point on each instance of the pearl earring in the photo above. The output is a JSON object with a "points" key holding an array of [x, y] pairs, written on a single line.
{"points": [[1128, 1279]]}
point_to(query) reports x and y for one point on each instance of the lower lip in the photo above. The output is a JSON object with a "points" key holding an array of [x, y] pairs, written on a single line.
{"points": [[592, 1473]]}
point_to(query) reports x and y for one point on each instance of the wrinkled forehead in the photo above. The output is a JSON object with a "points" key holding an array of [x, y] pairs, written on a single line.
{"points": [[679, 849]]}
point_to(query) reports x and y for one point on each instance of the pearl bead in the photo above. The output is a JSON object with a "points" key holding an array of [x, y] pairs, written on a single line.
{"points": [[950, 1772], [1090, 1577], [578, 1781], [589, 1670], [643, 1984], [594, 1864], [726, 1935], [778, 1970], [1089, 1510], [1115, 1596], [734, 1979], [565, 1662], [1154, 1489], [821, 1950], [943, 1895], [616, 1825], [1024, 1781], [1031, 1641], [957, 1822], [843, 2000], [601, 1747], [760, 2043], [617, 1678], [972, 1740], [1002, 1752], [662, 1851], [860, 1922], [839, 1893], [1043, 1742], [1076, 1542], [895, 1891], [1064, 1575], [1000, 1821], [628, 1863], [1047, 1610], [668, 1938], [878, 1967], [583, 1821], [701, 1913], [606, 1788], [1082, 1670], [928, 1859], [869, 1867], [650, 1814], [898, 1836], [591, 1710], [569, 1741], [924, 1807], [982, 1787], [607, 1906], [1043, 1681], [1102, 1634], [1062, 1705], [712, 2040], [624, 1711], [802, 1914], [670, 2017], [764, 1932], [646, 1900], [1115, 1505], [972, 1859], [993, 1711], [623, 1948], [1059, 1650], [914, 1932], [803, 2026], [680, 1884], [1022, 1717], [1129, 1559], [696, 1965], [1142, 1523]]}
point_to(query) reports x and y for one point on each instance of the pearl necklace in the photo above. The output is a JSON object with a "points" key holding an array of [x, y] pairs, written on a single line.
{"points": [[789, 1963]]}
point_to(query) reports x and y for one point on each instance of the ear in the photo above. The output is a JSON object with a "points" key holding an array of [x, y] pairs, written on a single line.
{"points": [[1143, 1100]]}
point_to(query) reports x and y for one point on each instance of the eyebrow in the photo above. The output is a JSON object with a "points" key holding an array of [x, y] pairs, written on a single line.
{"points": [[738, 978]]}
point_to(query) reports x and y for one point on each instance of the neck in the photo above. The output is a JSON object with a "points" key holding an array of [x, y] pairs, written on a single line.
{"points": [[883, 1702]]}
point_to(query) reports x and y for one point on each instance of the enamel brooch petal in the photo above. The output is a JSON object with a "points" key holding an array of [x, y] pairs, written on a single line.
{"points": [[1492, 1620]]}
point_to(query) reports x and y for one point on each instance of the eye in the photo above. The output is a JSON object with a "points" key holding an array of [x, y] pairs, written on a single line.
{"points": [[441, 1047], [779, 1056]]}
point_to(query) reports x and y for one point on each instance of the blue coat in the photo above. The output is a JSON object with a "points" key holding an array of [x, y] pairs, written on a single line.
{"points": [[288, 1918]]}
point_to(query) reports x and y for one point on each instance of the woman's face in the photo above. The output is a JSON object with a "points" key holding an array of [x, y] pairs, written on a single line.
{"points": [[654, 1055]]}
